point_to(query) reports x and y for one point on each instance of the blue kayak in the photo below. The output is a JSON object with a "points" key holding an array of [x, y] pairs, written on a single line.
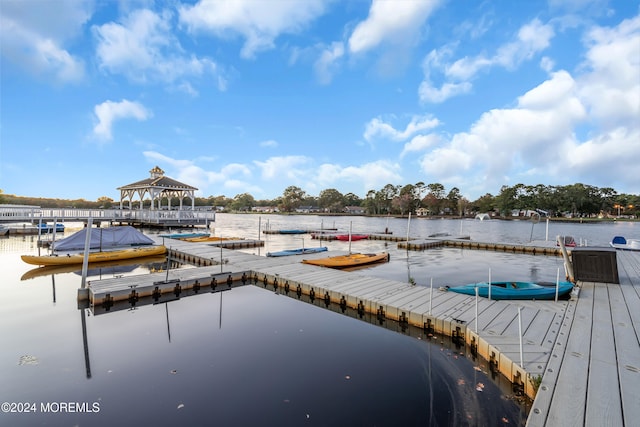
{"points": [[515, 290], [48, 228], [301, 251]]}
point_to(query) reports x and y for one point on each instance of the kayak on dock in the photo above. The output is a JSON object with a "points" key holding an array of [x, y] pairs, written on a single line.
{"points": [[351, 260], [514, 290]]}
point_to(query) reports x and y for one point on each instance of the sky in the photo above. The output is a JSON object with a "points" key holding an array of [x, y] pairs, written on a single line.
{"points": [[250, 96]]}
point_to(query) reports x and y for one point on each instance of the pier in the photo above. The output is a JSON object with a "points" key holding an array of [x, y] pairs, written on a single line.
{"points": [[580, 358], [142, 217]]}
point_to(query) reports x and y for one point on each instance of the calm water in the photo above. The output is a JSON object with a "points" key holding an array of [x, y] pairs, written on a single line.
{"points": [[252, 357]]}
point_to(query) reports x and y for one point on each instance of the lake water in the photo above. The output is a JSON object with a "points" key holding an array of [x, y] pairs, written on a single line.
{"points": [[250, 356]]}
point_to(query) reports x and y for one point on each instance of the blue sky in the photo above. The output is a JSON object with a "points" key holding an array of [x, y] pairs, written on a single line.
{"points": [[255, 96]]}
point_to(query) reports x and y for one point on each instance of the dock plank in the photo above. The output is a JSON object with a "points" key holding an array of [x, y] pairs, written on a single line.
{"points": [[570, 390], [603, 395]]}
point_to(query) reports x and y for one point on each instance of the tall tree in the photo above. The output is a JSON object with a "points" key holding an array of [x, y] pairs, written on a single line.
{"points": [[291, 198], [331, 200]]}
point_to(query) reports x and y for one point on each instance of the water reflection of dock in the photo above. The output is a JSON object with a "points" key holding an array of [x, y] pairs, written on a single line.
{"points": [[583, 353]]}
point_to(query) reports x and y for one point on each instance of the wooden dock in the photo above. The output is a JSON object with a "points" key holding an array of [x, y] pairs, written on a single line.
{"points": [[582, 353]]}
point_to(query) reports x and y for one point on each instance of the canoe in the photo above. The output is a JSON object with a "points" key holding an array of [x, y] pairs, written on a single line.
{"points": [[210, 239], [77, 258], [351, 260], [182, 236], [515, 290], [620, 242], [352, 237], [300, 251], [292, 231]]}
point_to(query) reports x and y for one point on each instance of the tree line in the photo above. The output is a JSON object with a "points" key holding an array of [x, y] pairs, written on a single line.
{"points": [[428, 199]]}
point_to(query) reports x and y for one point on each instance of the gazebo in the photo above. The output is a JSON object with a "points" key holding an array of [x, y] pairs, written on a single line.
{"points": [[157, 186]]}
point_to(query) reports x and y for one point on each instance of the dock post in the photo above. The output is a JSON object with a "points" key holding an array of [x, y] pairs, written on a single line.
{"points": [[85, 261], [567, 260]]}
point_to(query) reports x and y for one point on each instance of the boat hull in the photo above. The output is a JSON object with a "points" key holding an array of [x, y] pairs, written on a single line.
{"points": [[300, 251], [515, 290], [346, 261], [353, 237], [78, 258], [620, 242]]}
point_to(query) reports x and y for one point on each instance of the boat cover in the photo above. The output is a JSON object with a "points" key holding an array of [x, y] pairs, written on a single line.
{"points": [[108, 237]]}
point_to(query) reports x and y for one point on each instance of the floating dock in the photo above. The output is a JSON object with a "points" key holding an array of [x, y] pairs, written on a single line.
{"points": [[580, 358]]}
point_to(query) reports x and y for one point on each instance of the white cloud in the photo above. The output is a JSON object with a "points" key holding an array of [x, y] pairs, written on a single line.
{"points": [[610, 85], [369, 176], [259, 22], [379, 128], [143, 48], [232, 176], [291, 168], [108, 112], [396, 22], [269, 143], [327, 63], [586, 124], [35, 42], [531, 39], [420, 143]]}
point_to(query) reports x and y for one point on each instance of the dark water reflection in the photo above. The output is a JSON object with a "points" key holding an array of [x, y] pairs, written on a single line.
{"points": [[247, 356]]}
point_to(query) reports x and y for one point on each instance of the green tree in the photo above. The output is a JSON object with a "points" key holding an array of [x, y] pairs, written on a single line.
{"points": [[351, 199], [506, 200], [291, 198], [331, 200], [242, 202], [484, 204], [453, 198]]}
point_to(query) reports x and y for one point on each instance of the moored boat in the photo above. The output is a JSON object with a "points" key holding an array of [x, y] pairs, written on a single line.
{"points": [[351, 260], [183, 236], [78, 258], [568, 241], [619, 242], [48, 228], [210, 239], [117, 237], [515, 290], [300, 251], [352, 237]]}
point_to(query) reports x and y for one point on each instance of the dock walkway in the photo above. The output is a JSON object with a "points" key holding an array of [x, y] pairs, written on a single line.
{"points": [[584, 353]]}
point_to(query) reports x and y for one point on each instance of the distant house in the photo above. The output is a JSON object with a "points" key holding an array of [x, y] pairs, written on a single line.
{"points": [[264, 209], [422, 212], [356, 210], [307, 209]]}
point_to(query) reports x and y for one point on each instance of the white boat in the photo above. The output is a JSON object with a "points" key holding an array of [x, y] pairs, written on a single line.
{"points": [[4, 230], [620, 242]]}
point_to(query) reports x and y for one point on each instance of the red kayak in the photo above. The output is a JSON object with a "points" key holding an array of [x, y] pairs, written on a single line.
{"points": [[354, 237]]}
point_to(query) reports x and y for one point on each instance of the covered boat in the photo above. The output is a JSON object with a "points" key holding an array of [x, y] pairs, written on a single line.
{"points": [[351, 260], [101, 238], [300, 251], [515, 290], [620, 242], [78, 258]]}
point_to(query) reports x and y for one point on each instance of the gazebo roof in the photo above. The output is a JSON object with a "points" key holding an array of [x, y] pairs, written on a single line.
{"points": [[158, 180]]}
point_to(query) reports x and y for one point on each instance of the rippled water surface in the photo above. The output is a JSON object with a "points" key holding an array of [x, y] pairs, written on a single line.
{"points": [[252, 357]]}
